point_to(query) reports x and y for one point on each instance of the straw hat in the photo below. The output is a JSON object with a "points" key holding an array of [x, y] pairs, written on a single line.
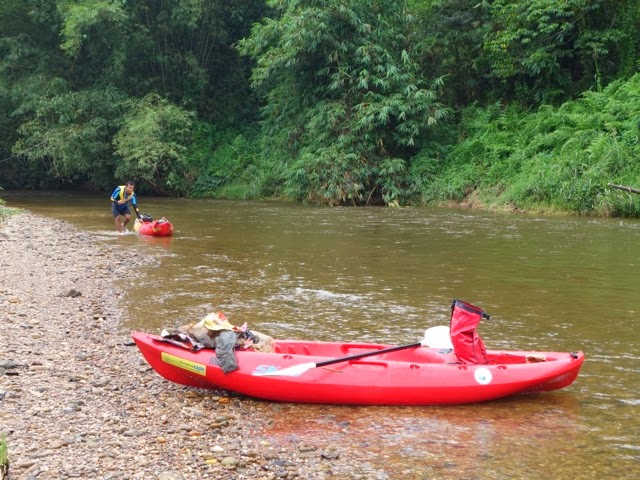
{"points": [[216, 321]]}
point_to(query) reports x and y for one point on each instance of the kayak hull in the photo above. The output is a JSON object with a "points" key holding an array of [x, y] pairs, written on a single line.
{"points": [[156, 228], [415, 376]]}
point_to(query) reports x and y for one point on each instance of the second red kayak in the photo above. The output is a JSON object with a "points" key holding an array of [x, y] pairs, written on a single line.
{"points": [[156, 228]]}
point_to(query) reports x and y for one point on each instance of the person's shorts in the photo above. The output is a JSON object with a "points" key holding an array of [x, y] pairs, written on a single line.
{"points": [[120, 209]]}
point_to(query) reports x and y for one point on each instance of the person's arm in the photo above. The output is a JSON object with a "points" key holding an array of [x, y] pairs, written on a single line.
{"points": [[134, 204], [115, 197]]}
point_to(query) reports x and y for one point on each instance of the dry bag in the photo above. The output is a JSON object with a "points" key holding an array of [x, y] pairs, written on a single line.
{"points": [[467, 344]]}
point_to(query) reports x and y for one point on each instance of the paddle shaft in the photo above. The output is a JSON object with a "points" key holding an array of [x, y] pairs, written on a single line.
{"points": [[367, 354], [622, 187]]}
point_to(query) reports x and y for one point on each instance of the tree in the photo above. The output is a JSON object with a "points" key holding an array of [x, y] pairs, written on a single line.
{"points": [[183, 51], [70, 133], [151, 144], [30, 65], [449, 38], [72, 73], [549, 51], [345, 102]]}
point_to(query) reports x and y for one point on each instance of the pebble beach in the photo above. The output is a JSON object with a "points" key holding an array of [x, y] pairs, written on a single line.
{"points": [[77, 400]]}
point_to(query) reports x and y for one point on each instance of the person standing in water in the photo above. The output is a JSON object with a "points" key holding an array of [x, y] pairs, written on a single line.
{"points": [[120, 199]]}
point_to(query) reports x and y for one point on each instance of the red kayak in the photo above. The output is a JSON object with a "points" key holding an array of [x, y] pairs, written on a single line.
{"points": [[297, 371], [156, 228]]}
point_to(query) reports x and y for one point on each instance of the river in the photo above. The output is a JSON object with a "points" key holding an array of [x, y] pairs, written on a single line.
{"points": [[551, 283]]}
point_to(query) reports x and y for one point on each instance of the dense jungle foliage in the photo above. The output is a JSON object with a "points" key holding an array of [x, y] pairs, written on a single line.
{"points": [[516, 104]]}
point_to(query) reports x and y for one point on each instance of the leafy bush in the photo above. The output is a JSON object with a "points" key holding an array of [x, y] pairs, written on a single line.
{"points": [[555, 158], [152, 146], [226, 164], [70, 133]]}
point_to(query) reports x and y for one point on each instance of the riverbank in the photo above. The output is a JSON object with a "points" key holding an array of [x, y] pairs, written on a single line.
{"points": [[78, 401]]}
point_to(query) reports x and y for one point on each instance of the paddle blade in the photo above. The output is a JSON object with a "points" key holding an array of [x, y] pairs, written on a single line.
{"points": [[287, 372]]}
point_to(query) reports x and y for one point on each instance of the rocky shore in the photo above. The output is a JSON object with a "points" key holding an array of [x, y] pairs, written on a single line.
{"points": [[78, 401]]}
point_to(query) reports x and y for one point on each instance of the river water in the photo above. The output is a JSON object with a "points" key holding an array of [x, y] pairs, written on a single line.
{"points": [[556, 283]]}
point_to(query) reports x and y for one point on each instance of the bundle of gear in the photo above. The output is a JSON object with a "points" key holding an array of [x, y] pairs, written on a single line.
{"points": [[216, 332]]}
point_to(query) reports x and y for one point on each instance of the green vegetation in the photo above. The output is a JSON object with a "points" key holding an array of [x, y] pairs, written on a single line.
{"points": [[4, 458], [513, 104], [5, 213], [554, 158], [345, 101]]}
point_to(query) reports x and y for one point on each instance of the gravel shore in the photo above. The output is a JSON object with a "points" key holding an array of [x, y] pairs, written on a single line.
{"points": [[78, 401]]}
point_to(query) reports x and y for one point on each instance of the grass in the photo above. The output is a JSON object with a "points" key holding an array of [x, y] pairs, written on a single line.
{"points": [[6, 212], [4, 458]]}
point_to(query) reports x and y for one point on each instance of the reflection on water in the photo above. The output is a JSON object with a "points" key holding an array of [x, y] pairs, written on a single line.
{"points": [[385, 275], [478, 441]]}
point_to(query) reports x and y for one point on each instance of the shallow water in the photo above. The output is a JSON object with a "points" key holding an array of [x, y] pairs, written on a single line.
{"points": [[385, 275]]}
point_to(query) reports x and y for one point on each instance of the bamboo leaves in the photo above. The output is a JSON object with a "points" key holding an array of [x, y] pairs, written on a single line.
{"points": [[357, 101]]}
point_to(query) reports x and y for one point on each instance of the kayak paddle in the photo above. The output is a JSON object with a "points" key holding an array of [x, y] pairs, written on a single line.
{"points": [[303, 367]]}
